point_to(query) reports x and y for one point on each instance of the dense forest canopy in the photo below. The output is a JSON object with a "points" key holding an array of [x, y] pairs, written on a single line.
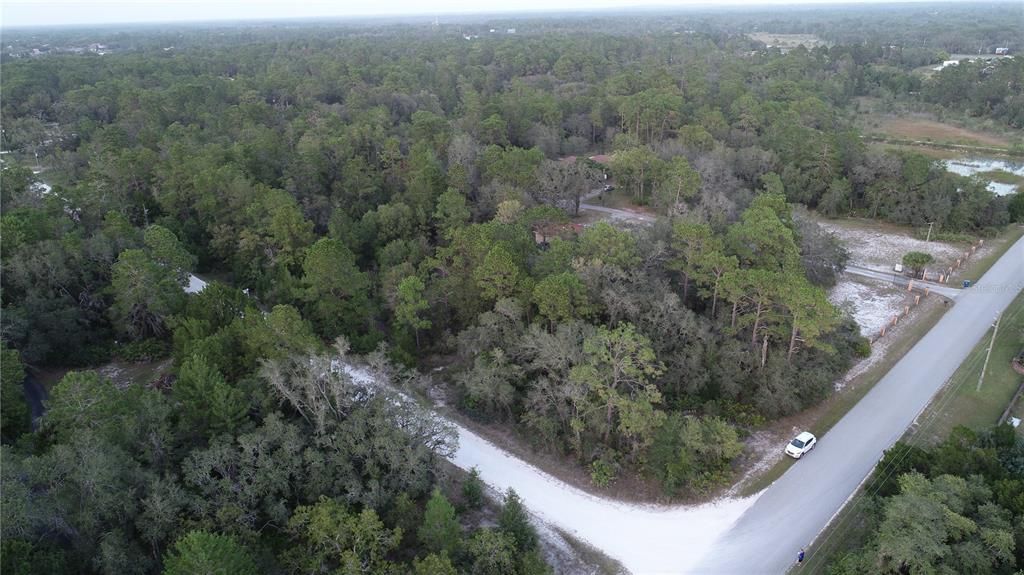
{"points": [[407, 188], [957, 507]]}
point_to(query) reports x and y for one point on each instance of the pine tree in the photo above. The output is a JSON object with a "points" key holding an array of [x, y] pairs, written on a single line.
{"points": [[440, 531], [473, 490], [515, 521], [202, 552]]}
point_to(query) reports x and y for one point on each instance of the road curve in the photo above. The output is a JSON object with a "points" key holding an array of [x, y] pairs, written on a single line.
{"points": [[797, 507]]}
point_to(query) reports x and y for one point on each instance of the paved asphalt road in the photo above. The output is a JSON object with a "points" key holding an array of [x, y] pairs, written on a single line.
{"points": [[900, 279], [794, 510]]}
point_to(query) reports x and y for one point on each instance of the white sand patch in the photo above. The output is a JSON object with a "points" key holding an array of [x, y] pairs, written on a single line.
{"points": [[195, 285], [116, 374], [880, 348], [872, 306], [884, 249], [765, 447]]}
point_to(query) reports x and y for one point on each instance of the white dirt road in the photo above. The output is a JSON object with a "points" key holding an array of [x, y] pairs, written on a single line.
{"points": [[645, 539]]}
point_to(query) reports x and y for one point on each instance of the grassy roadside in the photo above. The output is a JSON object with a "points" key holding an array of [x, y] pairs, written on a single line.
{"points": [[958, 403], [978, 266], [838, 405], [963, 401]]}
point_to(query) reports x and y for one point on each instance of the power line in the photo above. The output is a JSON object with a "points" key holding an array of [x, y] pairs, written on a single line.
{"points": [[915, 440]]}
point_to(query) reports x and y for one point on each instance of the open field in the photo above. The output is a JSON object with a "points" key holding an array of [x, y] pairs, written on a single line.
{"points": [[930, 130], [933, 152], [906, 126], [1002, 177], [787, 41]]}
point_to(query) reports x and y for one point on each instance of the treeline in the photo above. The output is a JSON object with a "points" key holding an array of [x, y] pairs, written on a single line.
{"points": [[983, 88], [413, 191], [957, 507], [913, 30]]}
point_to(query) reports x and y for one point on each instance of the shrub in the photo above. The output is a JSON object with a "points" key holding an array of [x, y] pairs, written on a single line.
{"points": [[692, 453], [603, 471], [515, 521], [144, 350]]}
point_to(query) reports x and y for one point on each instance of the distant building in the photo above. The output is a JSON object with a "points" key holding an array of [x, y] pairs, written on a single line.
{"points": [[946, 64], [511, 31], [1002, 51]]}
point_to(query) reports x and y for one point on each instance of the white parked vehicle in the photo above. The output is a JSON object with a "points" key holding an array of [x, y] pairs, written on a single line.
{"points": [[801, 444]]}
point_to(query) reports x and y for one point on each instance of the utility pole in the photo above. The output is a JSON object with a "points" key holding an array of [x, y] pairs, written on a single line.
{"points": [[929, 238], [991, 344]]}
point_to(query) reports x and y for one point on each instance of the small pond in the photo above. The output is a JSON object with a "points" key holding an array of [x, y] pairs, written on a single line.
{"points": [[972, 166]]}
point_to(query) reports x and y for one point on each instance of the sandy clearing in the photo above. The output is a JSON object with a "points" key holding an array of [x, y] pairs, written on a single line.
{"points": [[195, 285], [871, 245], [872, 306], [880, 348], [762, 450]]}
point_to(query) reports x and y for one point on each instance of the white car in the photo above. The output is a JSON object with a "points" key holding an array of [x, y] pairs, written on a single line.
{"points": [[801, 444]]}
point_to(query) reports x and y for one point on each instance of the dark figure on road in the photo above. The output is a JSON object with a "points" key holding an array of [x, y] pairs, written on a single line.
{"points": [[800, 556]]}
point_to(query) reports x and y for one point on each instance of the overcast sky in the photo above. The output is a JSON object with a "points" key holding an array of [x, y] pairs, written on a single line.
{"points": [[16, 13]]}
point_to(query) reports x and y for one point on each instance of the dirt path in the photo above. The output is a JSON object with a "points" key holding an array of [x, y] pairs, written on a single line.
{"points": [[616, 213]]}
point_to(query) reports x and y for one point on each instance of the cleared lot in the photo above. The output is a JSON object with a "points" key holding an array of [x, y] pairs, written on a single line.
{"points": [[881, 246]]}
